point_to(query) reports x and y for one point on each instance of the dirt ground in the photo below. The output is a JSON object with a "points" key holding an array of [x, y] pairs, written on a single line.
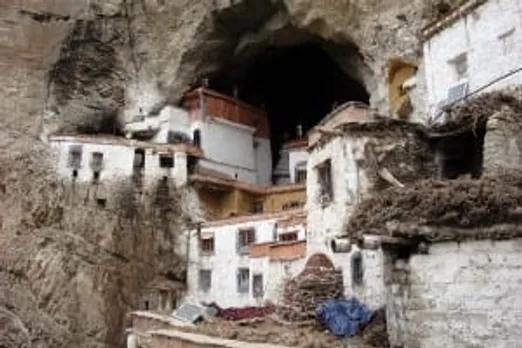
{"points": [[268, 330]]}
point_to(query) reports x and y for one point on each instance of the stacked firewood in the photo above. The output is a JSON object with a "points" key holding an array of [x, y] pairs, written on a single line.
{"points": [[303, 293]]}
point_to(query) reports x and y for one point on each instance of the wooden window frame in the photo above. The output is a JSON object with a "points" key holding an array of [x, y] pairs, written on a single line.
{"points": [[205, 280], [243, 280]]}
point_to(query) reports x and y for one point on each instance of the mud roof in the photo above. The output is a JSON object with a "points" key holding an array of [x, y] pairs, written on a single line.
{"points": [[472, 207], [475, 111], [376, 126]]}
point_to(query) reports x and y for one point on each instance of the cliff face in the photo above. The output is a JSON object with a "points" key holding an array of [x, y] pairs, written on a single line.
{"points": [[66, 278]]}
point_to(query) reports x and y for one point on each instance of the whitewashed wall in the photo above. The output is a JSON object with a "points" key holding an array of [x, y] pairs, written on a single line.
{"points": [[458, 295], [225, 261], [326, 222], [117, 162], [296, 156], [479, 35], [263, 156]]}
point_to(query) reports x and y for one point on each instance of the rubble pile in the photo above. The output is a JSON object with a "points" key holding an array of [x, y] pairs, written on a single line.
{"points": [[463, 203], [303, 293]]}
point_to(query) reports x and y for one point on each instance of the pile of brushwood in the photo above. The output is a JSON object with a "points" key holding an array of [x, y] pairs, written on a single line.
{"points": [[463, 203], [474, 111]]}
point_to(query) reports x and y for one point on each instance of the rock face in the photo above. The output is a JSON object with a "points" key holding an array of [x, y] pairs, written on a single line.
{"points": [[66, 278]]}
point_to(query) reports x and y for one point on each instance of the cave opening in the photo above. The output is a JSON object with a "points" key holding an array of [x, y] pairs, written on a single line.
{"points": [[296, 85]]}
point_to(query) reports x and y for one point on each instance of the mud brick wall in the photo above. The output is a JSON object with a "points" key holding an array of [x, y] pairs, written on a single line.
{"points": [[503, 142], [465, 295]]}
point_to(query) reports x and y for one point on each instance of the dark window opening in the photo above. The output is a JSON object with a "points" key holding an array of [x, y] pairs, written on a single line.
{"points": [[245, 238], [324, 176], [357, 269], [258, 207], [205, 280], [101, 202], [146, 305], [300, 175], [292, 205], [296, 85], [461, 155], [139, 159], [75, 173], [96, 161], [243, 280], [257, 286], [74, 160], [196, 139], [96, 177], [288, 236], [207, 245], [166, 161]]}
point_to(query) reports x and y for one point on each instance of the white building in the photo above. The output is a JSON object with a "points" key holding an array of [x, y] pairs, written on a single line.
{"points": [[473, 46], [92, 158], [244, 261], [234, 136], [291, 168]]}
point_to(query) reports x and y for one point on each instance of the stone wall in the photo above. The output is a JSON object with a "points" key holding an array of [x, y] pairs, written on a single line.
{"points": [[465, 295], [503, 141]]}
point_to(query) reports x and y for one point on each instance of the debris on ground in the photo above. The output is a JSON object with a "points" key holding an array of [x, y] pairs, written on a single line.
{"points": [[344, 317], [241, 313]]}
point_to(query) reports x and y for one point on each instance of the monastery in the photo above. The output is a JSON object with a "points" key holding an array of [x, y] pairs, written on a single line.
{"points": [[271, 204]]}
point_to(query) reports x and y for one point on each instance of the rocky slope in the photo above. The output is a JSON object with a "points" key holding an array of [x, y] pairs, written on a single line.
{"points": [[66, 278]]}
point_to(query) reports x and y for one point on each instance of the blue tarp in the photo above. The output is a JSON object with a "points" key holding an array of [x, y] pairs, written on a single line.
{"points": [[343, 317]]}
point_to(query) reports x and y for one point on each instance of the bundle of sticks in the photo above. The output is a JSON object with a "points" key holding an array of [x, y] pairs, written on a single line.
{"points": [[303, 293]]}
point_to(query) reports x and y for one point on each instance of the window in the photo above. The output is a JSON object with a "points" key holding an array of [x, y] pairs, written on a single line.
{"points": [[96, 161], [101, 202], [300, 175], [292, 205], [246, 237], [206, 243], [357, 269], [460, 65], [139, 159], [166, 160], [288, 236], [196, 139], [75, 157], [257, 207], [205, 279], [508, 41], [243, 280], [96, 177], [257, 285], [324, 176]]}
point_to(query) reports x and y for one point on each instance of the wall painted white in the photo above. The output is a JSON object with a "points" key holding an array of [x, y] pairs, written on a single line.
{"points": [[490, 36], [327, 221], [459, 295], [229, 148], [225, 261], [117, 162], [263, 156], [296, 156]]}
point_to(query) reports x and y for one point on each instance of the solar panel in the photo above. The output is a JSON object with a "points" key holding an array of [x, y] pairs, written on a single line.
{"points": [[457, 92], [188, 312]]}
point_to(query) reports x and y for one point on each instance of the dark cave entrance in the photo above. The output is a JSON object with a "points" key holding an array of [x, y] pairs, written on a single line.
{"points": [[295, 85]]}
